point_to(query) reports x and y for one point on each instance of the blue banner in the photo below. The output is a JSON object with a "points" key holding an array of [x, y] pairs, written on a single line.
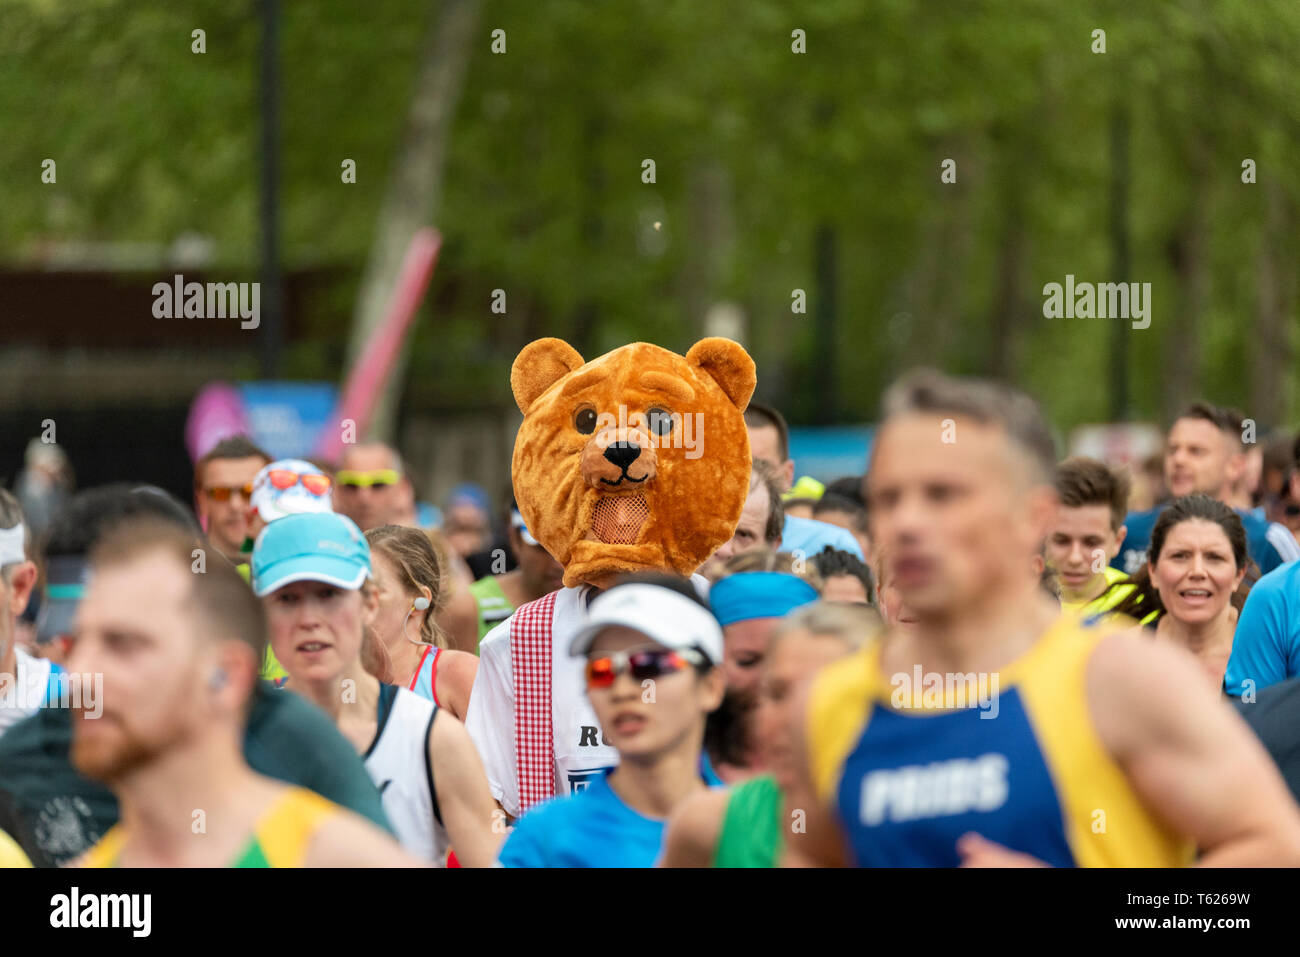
{"points": [[286, 417]]}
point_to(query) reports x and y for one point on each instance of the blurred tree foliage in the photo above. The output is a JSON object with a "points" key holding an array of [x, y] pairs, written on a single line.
{"points": [[756, 148]]}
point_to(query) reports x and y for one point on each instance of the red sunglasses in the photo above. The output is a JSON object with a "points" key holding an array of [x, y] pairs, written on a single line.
{"points": [[314, 482], [644, 665]]}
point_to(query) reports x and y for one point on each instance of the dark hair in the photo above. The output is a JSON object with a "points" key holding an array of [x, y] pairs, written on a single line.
{"points": [[94, 511], [234, 447], [757, 415], [1144, 598], [849, 487], [834, 502], [675, 583], [831, 561], [1082, 481], [1226, 420], [985, 401], [727, 731], [764, 473]]}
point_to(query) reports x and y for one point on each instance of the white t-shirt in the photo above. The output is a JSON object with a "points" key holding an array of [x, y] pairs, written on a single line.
{"points": [[23, 692], [581, 753]]}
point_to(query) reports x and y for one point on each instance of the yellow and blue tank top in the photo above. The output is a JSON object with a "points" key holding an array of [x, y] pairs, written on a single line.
{"points": [[1029, 772], [11, 855], [281, 838]]}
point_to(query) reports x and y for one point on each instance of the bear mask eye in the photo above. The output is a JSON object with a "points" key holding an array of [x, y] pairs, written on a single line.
{"points": [[585, 421], [660, 421]]}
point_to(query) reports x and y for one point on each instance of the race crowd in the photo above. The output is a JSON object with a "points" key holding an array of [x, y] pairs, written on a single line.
{"points": [[973, 654]]}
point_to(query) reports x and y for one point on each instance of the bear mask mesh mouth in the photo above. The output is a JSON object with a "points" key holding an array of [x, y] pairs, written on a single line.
{"points": [[617, 519]]}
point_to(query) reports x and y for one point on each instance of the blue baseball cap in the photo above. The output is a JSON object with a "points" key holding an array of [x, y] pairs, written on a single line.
{"points": [[315, 547]]}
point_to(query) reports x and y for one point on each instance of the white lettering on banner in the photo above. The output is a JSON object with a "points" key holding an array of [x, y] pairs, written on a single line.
{"points": [[941, 789]]}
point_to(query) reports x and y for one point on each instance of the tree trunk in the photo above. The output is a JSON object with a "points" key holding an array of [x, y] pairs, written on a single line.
{"points": [[413, 191], [1007, 304], [1271, 344], [1187, 249], [711, 235]]}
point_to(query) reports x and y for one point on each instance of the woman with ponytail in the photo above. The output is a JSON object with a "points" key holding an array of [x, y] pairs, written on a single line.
{"points": [[314, 574], [411, 591], [1187, 593]]}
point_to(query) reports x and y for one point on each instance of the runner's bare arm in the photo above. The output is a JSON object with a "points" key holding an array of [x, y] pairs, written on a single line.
{"points": [[475, 823], [691, 838], [456, 671], [821, 842], [346, 839], [1190, 758]]}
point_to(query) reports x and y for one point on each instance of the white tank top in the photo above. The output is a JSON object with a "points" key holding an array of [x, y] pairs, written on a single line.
{"points": [[398, 764]]}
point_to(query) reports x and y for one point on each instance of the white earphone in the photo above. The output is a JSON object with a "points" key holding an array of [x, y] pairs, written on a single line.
{"points": [[420, 604]]}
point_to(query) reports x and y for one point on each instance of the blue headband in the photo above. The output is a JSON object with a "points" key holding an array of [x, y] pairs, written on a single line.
{"points": [[749, 595]]}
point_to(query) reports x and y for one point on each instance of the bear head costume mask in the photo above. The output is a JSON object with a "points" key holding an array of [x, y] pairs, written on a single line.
{"points": [[635, 461]]}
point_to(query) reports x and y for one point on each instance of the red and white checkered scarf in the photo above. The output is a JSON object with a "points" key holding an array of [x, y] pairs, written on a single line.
{"points": [[531, 657]]}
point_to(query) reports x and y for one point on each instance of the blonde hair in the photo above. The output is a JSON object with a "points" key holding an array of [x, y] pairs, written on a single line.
{"points": [[374, 653], [855, 625], [417, 562], [767, 560]]}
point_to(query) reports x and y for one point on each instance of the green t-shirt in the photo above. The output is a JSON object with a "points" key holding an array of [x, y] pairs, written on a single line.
{"points": [[751, 826], [493, 605], [287, 738]]}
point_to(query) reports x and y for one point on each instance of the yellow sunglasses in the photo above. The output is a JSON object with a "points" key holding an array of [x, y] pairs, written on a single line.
{"points": [[374, 478]]}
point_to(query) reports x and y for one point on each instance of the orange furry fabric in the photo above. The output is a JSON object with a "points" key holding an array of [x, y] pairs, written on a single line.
{"points": [[634, 461]]}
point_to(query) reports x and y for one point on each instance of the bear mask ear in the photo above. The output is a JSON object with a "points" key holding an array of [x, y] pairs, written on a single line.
{"points": [[729, 365], [540, 365]]}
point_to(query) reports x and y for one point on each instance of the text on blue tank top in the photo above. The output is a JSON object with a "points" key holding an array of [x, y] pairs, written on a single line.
{"points": [[914, 784]]}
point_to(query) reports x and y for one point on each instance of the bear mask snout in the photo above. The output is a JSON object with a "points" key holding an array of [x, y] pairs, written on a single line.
{"points": [[619, 459]]}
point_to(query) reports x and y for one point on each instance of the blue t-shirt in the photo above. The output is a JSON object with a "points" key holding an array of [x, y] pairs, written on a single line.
{"points": [[811, 536], [1268, 544], [592, 828], [1266, 645]]}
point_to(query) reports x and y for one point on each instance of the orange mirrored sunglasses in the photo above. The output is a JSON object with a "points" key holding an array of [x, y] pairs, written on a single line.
{"points": [[313, 482], [224, 493]]}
